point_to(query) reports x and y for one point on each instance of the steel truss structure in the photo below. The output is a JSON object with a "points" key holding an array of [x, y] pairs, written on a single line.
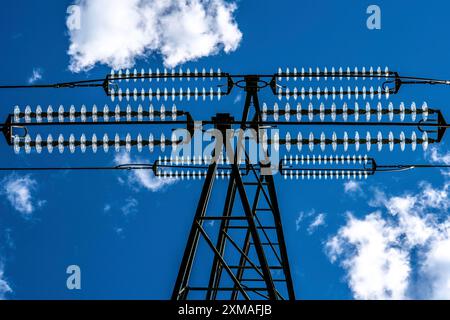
{"points": [[250, 272]]}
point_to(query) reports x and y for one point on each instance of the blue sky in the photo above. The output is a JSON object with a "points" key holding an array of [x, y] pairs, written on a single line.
{"points": [[127, 233]]}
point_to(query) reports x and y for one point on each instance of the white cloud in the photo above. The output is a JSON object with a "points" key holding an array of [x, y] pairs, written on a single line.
{"points": [[436, 269], [37, 75], [4, 286], [376, 269], [318, 221], [117, 32], [352, 187], [376, 250], [18, 190], [438, 157], [141, 178]]}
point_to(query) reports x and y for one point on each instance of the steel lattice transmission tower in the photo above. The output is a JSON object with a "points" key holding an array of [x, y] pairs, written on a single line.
{"points": [[245, 255]]}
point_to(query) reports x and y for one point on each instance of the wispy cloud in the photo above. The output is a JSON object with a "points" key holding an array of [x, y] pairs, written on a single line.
{"points": [[318, 221], [141, 178], [35, 76], [438, 157], [130, 206], [299, 220], [237, 99], [119, 231], [7, 237], [5, 288], [311, 219], [352, 187], [376, 250], [19, 192], [117, 32]]}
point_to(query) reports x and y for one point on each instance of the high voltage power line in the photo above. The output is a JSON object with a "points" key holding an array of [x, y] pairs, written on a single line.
{"points": [[248, 258]]}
